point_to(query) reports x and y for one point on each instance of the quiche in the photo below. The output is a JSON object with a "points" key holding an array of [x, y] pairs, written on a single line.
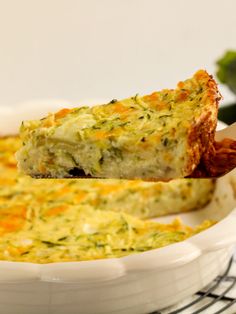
{"points": [[59, 220], [52, 236], [160, 136]]}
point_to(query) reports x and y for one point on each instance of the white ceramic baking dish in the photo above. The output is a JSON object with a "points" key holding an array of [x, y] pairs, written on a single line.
{"points": [[137, 284]]}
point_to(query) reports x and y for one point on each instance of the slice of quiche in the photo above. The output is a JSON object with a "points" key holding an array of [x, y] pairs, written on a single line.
{"points": [[160, 136]]}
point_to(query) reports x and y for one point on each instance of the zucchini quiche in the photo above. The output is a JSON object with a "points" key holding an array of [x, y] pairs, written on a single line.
{"points": [[160, 136], [45, 221]]}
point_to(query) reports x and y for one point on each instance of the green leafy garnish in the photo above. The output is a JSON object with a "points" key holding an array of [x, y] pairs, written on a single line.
{"points": [[226, 72]]}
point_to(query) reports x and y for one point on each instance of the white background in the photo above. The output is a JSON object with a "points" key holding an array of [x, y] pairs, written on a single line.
{"points": [[105, 49]]}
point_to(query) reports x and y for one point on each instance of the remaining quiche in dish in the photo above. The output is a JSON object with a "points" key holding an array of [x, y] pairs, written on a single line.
{"points": [[75, 233], [160, 136], [43, 221]]}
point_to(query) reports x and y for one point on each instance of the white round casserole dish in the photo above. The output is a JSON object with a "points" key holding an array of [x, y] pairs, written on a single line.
{"points": [[137, 284]]}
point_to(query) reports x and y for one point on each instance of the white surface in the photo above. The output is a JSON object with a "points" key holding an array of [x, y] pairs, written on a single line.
{"points": [[80, 49], [136, 284]]}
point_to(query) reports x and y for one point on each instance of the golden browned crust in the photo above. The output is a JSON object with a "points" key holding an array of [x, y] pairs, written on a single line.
{"points": [[217, 158], [203, 131], [220, 159]]}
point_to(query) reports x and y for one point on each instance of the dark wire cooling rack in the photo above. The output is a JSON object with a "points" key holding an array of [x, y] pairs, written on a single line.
{"points": [[206, 298]]}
